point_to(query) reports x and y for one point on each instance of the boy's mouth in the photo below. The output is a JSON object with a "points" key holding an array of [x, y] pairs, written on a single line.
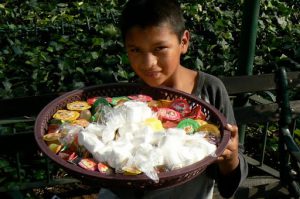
{"points": [[153, 74]]}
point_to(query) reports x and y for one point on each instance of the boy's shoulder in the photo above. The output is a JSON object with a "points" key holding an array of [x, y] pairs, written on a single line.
{"points": [[210, 80]]}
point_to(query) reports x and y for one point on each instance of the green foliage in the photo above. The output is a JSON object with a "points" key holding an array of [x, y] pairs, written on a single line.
{"points": [[52, 46]]}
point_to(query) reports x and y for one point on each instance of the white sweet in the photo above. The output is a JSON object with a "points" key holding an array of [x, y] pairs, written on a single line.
{"points": [[145, 159], [143, 135], [137, 111], [108, 133], [94, 129], [119, 155], [129, 128], [103, 154], [124, 140], [90, 141]]}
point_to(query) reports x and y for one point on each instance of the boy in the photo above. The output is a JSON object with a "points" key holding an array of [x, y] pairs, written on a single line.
{"points": [[155, 37]]}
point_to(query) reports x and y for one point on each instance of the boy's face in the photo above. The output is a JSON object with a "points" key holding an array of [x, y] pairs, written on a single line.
{"points": [[154, 53]]}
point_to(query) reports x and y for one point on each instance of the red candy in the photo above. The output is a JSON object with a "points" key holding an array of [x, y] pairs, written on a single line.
{"points": [[181, 105], [92, 100], [88, 164], [168, 114], [196, 113], [142, 98]]}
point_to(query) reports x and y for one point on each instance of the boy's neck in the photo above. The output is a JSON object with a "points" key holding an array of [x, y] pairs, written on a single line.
{"points": [[184, 80]]}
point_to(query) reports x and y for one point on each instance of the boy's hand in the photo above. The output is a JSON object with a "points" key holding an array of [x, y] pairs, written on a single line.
{"points": [[229, 160]]}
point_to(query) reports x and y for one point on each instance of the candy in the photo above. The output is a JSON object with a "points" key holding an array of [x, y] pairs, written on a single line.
{"points": [[154, 123], [168, 114], [103, 168], [88, 164], [81, 122], [66, 115], [211, 129], [78, 106], [131, 171], [189, 125], [181, 106], [142, 98]]}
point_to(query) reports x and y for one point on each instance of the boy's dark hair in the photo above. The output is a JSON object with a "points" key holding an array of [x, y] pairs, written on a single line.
{"points": [[145, 13]]}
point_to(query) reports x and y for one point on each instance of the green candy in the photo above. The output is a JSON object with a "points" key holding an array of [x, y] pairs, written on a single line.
{"points": [[189, 125]]}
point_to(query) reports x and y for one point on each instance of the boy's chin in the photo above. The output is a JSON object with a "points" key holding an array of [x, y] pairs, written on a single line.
{"points": [[153, 83]]}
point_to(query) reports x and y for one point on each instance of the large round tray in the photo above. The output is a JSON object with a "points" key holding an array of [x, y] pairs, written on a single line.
{"points": [[166, 179]]}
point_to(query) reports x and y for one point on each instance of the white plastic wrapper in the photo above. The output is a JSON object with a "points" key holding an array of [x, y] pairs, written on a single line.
{"points": [[156, 137], [143, 135], [69, 132], [123, 140], [115, 154], [137, 111], [90, 141], [94, 128], [146, 158], [129, 129]]}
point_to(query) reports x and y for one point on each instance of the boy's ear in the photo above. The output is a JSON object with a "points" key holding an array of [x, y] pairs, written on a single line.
{"points": [[185, 40]]}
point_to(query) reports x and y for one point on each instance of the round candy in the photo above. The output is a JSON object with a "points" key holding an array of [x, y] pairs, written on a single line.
{"points": [[81, 122], [165, 103], [196, 113], [169, 124], [181, 105], [50, 137], [78, 106], [117, 100], [142, 98], [85, 114], [98, 104], [91, 100], [211, 129], [66, 115], [201, 122], [189, 125], [168, 114]]}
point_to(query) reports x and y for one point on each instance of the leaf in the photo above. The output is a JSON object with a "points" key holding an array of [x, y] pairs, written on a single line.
{"points": [[7, 85], [3, 163], [80, 70], [95, 55], [282, 22]]}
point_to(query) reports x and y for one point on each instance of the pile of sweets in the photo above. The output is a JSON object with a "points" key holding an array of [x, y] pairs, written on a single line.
{"points": [[131, 135]]}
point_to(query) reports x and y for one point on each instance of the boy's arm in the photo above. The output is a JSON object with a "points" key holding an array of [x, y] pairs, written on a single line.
{"points": [[229, 183]]}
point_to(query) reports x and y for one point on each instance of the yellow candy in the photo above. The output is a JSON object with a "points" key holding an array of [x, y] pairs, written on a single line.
{"points": [[55, 147], [52, 137], [131, 171], [66, 115], [154, 123], [81, 122], [78, 106], [210, 128], [201, 122]]}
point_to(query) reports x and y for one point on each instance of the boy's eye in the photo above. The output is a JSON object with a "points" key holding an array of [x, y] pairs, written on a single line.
{"points": [[134, 50], [160, 48]]}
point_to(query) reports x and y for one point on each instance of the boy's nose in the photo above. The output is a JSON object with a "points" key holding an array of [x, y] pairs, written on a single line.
{"points": [[149, 60]]}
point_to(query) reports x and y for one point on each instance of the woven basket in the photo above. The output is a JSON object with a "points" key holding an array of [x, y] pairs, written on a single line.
{"points": [[166, 179]]}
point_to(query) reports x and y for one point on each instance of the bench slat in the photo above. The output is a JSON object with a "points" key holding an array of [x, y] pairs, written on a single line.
{"points": [[256, 83], [263, 112], [24, 106]]}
